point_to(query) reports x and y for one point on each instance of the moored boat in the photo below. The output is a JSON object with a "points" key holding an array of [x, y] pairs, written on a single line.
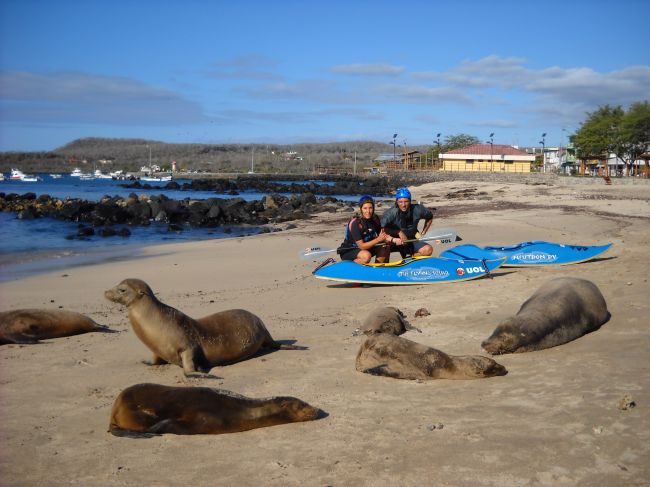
{"points": [[18, 175], [155, 179], [525, 254], [412, 270], [100, 175]]}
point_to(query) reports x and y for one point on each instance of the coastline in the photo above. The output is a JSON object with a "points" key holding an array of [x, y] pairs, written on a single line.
{"points": [[552, 420]]}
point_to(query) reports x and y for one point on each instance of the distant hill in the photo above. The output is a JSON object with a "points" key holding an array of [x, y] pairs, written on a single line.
{"points": [[131, 154]]}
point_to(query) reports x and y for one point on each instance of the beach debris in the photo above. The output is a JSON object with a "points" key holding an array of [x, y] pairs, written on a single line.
{"points": [[422, 312], [626, 402], [437, 426]]}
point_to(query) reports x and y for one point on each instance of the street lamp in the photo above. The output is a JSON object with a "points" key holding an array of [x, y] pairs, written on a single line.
{"points": [[543, 142], [393, 142], [438, 142], [491, 142]]}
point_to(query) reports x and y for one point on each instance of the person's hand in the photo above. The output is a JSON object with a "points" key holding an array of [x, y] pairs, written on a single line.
{"points": [[398, 241], [382, 237], [402, 236]]}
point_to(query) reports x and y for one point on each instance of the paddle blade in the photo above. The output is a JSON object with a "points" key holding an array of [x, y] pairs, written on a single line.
{"points": [[439, 236], [314, 252]]}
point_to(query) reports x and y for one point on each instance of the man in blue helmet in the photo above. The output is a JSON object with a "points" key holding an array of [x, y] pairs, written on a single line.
{"points": [[364, 236], [401, 222]]}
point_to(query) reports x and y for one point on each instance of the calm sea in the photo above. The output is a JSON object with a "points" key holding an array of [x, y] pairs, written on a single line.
{"points": [[32, 246]]}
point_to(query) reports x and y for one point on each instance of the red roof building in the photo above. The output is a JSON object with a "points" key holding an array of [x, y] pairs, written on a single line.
{"points": [[487, 158]]}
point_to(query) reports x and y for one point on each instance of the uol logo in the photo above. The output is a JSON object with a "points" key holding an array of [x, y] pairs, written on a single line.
{"points": [[423, 274], [533, 257], [470, 270]]}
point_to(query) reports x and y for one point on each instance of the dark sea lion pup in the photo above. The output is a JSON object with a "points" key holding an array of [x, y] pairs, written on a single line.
{"points": [[148, 409], [561, 310], [393, 356], [32, 325], [196, 345], [387, 319]]}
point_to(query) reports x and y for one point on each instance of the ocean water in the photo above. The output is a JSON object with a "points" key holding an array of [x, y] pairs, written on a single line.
{"points": [[32, 246]]}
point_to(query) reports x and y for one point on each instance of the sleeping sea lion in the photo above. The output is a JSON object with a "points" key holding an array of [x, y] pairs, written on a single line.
{"points": [[196, 345], [397, 357], [148, 409], [561, 310], [385, 320], [32, 325]]}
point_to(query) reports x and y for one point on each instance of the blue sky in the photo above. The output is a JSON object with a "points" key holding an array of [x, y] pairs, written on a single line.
{"points": [[286, 72]]}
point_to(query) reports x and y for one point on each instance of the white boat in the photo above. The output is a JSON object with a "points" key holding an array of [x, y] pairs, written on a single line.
{"points": [[18, 175], [76, 172], [2, 177], [154, 179], [56, 176], [86, 177], [101, 175]]}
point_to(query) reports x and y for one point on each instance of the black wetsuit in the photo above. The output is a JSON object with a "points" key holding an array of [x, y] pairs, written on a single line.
{"points": [[359, 229]]}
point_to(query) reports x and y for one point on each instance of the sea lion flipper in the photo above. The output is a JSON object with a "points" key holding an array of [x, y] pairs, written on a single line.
{"points": [[170, 426], [17, 338], [382, 370], [122, 433]]}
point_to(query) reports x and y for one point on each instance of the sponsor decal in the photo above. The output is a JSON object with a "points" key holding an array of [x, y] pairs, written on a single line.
{"points": [[423, 274], [470, 270], [443, 241], [533, 257], [474, 270]]}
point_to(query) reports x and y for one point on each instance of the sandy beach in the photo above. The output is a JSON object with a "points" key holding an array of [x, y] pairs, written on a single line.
{"points": [[553, 420]]}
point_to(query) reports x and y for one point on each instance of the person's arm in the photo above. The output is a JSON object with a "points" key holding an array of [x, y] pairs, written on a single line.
{"points": [[382, 237], [390, 226], [426, 226]]}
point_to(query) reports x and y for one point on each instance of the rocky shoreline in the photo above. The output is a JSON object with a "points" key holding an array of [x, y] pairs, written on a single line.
{"points": [[111, 216]]}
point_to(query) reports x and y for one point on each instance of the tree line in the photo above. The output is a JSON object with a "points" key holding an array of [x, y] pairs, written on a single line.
{"points": [[132, 154], [614, 130]]}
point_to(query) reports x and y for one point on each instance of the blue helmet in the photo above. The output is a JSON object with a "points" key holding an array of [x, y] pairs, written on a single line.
{"points": [[403, 193], [366, 199]]}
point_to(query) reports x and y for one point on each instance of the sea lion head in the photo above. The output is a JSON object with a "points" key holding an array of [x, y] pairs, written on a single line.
{"points": [[128, 292], [476, 366], [295, 409], [506, 338]]}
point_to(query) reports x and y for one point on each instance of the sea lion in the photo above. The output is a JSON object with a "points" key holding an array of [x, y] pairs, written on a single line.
{"points": [[385, 320], [397, 357], [196, 345], [561, 310], [148, 409], [32, 325]]}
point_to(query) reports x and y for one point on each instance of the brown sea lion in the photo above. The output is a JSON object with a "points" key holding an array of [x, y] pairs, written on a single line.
{"points": [[32, 325], [561, 310], [397, 357], [148, 409], [196, 345], [385, 320]]}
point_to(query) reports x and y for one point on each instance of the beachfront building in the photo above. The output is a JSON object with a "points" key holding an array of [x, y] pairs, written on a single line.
{"points": [[487, 158]]}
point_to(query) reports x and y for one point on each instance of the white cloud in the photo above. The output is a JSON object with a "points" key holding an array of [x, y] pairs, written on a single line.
{"points": [[368, 69], [251, 67], [492, 123], [81, 97], [423, 94]]}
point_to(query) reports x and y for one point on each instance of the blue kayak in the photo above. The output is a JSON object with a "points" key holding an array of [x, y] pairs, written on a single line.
{"points": [[413, 270], [528, 253]]}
